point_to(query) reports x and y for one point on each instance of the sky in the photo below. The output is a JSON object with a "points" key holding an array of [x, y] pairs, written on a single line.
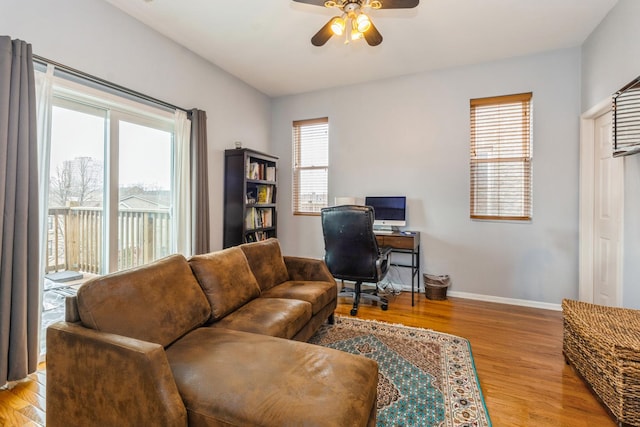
{"points": [[145, 153]]}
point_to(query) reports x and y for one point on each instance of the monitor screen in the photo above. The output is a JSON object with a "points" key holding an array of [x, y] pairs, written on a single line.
{"points": [[390, 211]]}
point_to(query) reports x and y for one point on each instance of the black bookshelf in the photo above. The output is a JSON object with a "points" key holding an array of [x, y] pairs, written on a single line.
{"points": [[250, 190]]}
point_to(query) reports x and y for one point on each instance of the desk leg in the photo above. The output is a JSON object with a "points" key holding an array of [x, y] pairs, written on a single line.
{"points": [[415, 270]]}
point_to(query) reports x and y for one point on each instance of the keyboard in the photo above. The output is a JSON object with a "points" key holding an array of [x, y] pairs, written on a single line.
{"points": [[383, 231]]}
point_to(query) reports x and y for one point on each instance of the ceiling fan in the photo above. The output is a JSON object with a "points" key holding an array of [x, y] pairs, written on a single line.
{"points": [[354, 21]]}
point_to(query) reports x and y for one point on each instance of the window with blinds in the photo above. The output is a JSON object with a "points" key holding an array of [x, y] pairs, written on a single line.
{"points": [[501, 157], [626, 120], [310, 166]]}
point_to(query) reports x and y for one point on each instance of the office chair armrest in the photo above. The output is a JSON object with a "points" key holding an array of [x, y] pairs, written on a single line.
{"points": [[384, 255], [385, 251]]}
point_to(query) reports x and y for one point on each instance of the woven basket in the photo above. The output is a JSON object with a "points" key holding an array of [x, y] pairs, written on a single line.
{"points": [[603, 345], [435, 287]]}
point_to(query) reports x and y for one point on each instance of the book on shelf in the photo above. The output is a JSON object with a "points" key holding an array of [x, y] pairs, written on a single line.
{"points": [[265, 194], [260, 171], [249, 218], [254, 170], [266, 217], [271, 173], [257, 236], [258, 218]]}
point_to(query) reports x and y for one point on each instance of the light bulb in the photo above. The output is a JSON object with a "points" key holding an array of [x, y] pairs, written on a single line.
{"points": [[355, 34], [337, 26], [363, 22]]}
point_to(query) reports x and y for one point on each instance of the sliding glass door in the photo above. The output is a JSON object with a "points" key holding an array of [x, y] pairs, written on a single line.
{"points": [[110, 203], [76, 190], [144, 194]]}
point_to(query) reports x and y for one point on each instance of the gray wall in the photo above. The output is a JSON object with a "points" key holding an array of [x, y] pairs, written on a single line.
{"points": [[401, 136], [611, 59], [97, 38], [410, 136]]}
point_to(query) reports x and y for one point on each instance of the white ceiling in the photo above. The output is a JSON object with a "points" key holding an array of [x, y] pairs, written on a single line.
{"points": [[266, 43]]}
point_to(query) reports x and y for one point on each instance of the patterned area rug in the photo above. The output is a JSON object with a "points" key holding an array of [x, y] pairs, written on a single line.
{"points": [[426, 378]]}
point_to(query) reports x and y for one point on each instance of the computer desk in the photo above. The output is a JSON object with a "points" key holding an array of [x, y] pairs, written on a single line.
{"points": [[406, 242]]}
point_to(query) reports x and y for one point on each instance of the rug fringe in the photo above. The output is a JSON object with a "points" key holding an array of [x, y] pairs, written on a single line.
{"points": [[380, 322]]}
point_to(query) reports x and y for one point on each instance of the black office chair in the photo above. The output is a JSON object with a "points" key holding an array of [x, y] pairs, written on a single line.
{"points": [[352, 252]]}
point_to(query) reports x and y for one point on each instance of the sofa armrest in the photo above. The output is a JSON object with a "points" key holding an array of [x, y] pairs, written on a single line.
{"points": [[97, 378], [307, 269], [71, 312]]}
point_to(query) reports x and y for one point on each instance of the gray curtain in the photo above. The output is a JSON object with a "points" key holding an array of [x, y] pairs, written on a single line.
{"points": [[19, 242], [199, 167]]}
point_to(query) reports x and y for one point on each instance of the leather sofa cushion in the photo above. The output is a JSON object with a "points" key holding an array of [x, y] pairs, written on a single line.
{"points": [[319, 294], [276, 317], [294, 383], [266, 262], [158, 302], [226, 279]]}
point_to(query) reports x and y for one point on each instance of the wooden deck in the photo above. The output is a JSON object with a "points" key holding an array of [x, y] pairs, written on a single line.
{"points": [[517, 351]]}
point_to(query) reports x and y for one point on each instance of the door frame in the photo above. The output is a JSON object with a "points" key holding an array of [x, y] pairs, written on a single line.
{"points": [[586, 209]]}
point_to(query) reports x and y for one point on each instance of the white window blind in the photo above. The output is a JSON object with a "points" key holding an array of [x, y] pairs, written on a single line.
{"points": [[310, 166], [501, 157], [626, 120]]}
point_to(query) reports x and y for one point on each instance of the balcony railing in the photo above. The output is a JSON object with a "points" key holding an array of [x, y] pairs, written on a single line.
{"points": [[75, 238]]}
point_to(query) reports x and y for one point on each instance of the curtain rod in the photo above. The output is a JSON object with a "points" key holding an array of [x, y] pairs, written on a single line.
{"points": [[109, 84]]}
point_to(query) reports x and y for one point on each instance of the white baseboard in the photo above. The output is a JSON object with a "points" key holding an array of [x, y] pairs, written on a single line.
{"points": [[510, 301], [490, 298]]}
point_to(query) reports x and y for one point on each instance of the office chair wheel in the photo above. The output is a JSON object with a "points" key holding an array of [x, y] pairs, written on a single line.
{"points": [[384, 307], [354, 311]]}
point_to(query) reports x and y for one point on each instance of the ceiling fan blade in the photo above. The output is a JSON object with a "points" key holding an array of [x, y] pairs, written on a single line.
{"points": [[324, 34], [373, 36], [396, 4], [313, 2]]}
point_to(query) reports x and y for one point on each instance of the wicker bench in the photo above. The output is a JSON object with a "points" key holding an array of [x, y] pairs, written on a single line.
{"points": [[603, 345]]}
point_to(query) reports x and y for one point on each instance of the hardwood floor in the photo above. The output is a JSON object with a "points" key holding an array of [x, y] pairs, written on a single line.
{"points": [[24, 403], [517, 352], [518, 357]]}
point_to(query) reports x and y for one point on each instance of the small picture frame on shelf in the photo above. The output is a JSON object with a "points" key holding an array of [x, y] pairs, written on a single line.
{"points": [[251, 198]]}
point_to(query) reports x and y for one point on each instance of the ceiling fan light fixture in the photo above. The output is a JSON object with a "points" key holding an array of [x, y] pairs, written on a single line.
{"points": [[337, 26], [356, 34], [354, 15], [363, 23]]}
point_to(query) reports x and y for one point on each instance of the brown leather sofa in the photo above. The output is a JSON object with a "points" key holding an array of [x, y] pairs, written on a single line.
{"points": [[212, 341]]}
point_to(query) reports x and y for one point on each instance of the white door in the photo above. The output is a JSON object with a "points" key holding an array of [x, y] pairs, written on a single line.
{"points": [[608, 199]]}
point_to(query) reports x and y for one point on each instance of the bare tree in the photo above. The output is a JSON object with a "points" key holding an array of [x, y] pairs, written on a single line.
{"points": [[60, 185], [78, 180], [89, 182]]}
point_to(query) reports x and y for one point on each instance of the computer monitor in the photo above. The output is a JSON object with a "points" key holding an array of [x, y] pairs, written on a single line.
{"points": [[390, 211]]}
